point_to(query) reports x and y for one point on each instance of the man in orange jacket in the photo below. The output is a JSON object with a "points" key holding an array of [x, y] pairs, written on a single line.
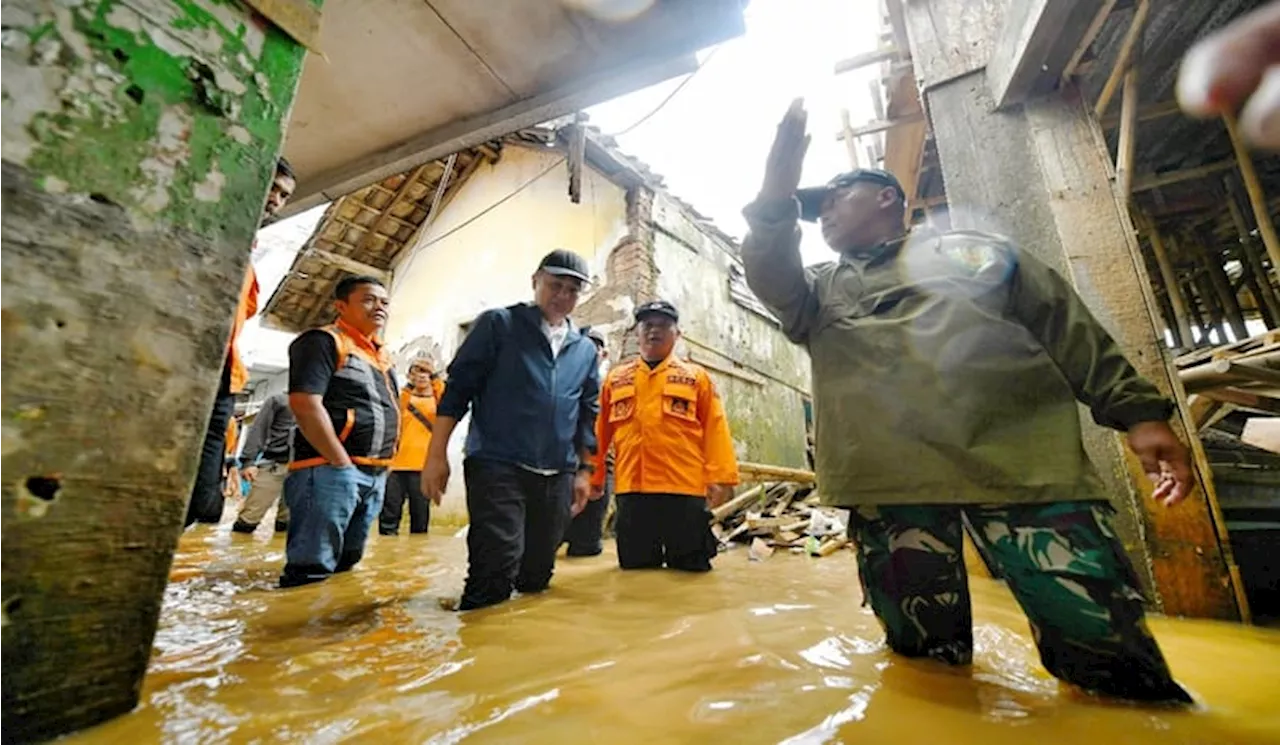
{"points": [[206, 500], [417, 421], [673, 452]]}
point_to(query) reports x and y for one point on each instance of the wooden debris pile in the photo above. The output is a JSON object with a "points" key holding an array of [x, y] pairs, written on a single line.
{"points": [[780, 514]]}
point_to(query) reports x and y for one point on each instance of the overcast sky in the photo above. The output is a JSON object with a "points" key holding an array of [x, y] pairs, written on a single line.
{"points": [[710, 140]]}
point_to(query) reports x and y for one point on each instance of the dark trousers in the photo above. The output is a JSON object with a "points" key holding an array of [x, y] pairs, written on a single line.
{"points": [[585, 535], [402, 485], [517, 520], [206, 495], [671, 529]]}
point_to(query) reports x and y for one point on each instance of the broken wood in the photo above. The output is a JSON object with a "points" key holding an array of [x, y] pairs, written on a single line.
{"points": [[1262, 433], [760, 471], [738, 503], [1223, 373]]}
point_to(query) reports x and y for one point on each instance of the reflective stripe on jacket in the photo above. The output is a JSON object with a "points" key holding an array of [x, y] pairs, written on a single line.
{"points": [[361, 401], [668, 429]]}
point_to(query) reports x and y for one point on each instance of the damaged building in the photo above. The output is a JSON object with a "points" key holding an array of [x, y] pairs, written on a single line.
{"points": [[464, 233]]}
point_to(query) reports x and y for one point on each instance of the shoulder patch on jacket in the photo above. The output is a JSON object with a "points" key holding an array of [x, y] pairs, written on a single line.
{"points": [[977, 254]]}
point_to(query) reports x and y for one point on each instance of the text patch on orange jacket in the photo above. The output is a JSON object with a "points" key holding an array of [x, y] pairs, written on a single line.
{"points": [[415, 437], [668, 430]]}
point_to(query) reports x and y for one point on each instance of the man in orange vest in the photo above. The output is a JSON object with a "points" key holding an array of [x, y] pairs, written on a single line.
{"points": [[206, 500], [673, 451], [343, 394], [417, 420]]}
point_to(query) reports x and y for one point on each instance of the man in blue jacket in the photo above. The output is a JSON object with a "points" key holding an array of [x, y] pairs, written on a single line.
{"points": [[529, 377]]}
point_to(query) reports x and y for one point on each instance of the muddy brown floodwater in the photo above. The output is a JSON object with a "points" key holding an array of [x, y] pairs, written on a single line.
{"points": [[755, 652]]}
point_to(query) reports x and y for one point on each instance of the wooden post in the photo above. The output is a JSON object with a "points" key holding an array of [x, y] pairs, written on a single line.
{"points": [[1182, 329], [1132, 38], [1252, 259], [1253, 188], [1255, 288], [1212, 307], [1211, 257], [1128, 130], [850, 141], [1193, 309]]}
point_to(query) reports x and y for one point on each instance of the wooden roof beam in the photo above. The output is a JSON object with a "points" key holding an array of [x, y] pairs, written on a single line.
{"points": [[1145, 114], [871, 128], [859, 61], [367, 239], [348, 264], [1156, 180], [1037, 41]]}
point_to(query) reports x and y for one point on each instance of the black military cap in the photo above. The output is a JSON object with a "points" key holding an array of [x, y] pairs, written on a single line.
{"points": [[811, 199], [661, 307], [566, 264]]}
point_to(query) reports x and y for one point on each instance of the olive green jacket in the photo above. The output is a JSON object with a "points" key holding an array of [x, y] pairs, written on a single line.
{"points": [[946, 367]]}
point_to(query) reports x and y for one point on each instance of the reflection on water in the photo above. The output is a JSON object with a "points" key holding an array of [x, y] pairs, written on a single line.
{"points": [[755, 652]]}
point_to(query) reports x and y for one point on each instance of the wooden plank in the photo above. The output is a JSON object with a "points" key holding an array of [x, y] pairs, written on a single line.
{"points": [[1245, 399], [367, 239], [761, 471], [1262, 433], [871, 128], [1156, 180], [1132, 38], [347, 263], [299, 19], [1145, 114], [859, 61], [1212, 262]]}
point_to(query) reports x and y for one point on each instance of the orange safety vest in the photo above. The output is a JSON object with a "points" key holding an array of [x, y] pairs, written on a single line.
{"points": [[415, 437], [233, 434], [245, 309], [363, 367], [668, 430]]}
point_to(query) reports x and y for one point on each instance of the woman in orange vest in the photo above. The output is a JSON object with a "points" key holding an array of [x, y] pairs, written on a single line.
{"points": [[417, 419]]}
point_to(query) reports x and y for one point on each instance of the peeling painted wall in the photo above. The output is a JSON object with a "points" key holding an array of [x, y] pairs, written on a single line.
{"points": [[138, 141], [764, 394]]}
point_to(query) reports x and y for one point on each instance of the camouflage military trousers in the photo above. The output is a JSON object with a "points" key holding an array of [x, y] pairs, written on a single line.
{"points": [[1064, 565]]}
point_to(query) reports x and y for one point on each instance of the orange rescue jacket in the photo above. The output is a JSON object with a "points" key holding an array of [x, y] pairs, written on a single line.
{"points": [[245, 309], [415, 437], [668, 430]]}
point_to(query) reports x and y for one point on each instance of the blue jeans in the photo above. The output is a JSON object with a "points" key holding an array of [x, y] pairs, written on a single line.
{"points": [[330, 513]]}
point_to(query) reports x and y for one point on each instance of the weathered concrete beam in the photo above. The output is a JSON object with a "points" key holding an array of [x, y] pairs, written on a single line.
{"points": [[1036, 41], [139, 141]]}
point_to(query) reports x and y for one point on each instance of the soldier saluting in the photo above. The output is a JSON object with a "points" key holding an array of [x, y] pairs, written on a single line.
{"points": [[946, 371]]}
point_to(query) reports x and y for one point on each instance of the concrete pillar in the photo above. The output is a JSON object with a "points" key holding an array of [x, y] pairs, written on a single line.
{"points": [[1040, 173], [139, 140]]}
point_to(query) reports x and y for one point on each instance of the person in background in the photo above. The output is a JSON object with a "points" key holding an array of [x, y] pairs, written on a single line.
{"points": [[673, 450], [418, 402], [343, 394], [585, 535], [531, 380], [206, 500], [266, 451], [946, 374], [230, 469]]}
